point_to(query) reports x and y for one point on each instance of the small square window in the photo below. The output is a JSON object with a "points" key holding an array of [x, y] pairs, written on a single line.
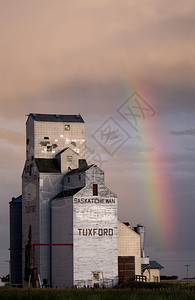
{"points": [[69, 158], [49, 148], [67, 127], [96, 276]]}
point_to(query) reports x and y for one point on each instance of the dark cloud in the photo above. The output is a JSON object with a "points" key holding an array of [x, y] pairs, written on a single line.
{"points": [[184, 132], [148, 155], [190, 149]]}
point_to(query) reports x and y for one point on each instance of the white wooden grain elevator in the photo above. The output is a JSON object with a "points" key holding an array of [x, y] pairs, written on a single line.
{"points": [[69, 224]]}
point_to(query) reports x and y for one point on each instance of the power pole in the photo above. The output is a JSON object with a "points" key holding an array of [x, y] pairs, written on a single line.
{"points": [[187, 266]]}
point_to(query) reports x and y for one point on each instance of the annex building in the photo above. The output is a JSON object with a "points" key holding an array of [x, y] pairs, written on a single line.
{"points": [[64, 229]]}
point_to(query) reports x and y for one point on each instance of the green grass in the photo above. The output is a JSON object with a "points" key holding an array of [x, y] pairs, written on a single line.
{"points": [[174, 290]]}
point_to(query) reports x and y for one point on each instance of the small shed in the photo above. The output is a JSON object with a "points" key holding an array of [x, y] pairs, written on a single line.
{"points": [[152, 271]]}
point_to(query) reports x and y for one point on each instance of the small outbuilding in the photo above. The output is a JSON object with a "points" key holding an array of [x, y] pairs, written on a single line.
{"points": [[152, 271]]}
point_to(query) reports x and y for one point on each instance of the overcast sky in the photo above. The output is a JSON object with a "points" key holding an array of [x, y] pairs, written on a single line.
{"points": [[89, 57]]}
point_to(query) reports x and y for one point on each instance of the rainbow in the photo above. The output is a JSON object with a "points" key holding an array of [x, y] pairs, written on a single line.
{"points": [[156, 180], [158, 194]]}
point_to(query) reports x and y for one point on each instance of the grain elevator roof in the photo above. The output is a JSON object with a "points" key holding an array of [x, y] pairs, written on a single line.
{"points": [[56, 118]]}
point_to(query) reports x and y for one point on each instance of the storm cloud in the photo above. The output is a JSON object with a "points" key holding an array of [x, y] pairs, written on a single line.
{"points": [[184, 132]]}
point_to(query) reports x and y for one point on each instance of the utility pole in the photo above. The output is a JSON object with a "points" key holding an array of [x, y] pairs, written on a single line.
{"points": [[187, 266]]}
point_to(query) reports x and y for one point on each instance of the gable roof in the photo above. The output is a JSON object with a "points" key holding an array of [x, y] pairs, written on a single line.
{"points": [[152, 265], [47, 165], [155, 265], [56, 118], [65, 149], [79, 170], [17, 199]]}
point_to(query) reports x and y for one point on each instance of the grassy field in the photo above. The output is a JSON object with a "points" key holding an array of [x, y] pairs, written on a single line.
{"points": [[179, 290]]}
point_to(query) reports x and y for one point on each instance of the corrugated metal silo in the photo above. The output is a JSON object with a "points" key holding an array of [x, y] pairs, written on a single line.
{"points": [[141, 230], [16, 241]]}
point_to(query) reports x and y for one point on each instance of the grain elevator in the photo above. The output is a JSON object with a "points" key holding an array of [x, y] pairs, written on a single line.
{"points": [[69, 216], [64, 228]]}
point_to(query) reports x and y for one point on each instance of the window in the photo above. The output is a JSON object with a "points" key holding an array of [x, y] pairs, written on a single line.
{"points": [[73, 143], [67, 127], [68, 179], [27, 141], [45, 284], [54, 146], [95, 190], [79, 176], [69, 158], [96, 275], [49, 148], [46, 138]]}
